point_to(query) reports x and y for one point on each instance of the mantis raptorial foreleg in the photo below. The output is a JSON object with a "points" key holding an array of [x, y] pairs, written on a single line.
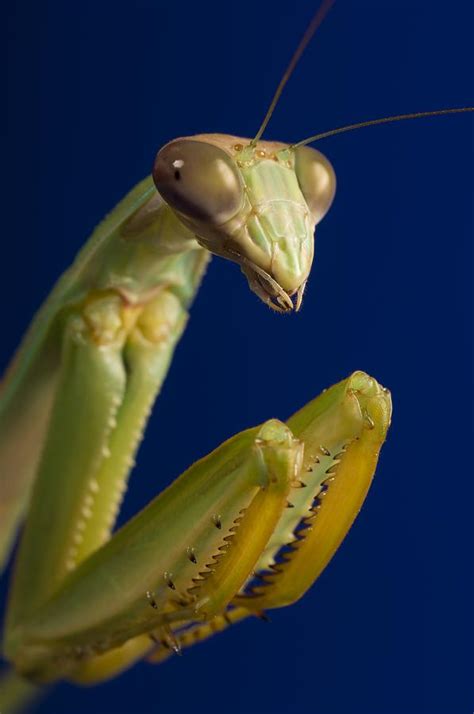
{"points": [[236, 498], [114, 357], [198, 544]]}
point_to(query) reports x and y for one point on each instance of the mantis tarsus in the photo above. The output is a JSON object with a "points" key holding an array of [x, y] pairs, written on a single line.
{"points": [[101, 320]]}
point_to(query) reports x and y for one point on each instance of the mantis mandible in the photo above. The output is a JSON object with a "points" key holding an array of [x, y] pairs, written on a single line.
{"points": [[89, 370]]}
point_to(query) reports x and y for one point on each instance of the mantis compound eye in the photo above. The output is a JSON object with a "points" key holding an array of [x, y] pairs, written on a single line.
{"points": [[198, 180], [317, 180]]}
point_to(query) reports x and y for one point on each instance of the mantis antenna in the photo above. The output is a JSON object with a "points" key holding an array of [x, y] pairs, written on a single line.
{"points": [[383, 120], [308, 35], [309, 32]]}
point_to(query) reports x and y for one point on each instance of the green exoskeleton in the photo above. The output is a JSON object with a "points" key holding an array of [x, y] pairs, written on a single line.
{"points": [[247, 528], [84, 605]]}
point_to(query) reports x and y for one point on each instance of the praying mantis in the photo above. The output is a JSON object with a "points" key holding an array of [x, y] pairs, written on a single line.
{"points": [[115, 322]]}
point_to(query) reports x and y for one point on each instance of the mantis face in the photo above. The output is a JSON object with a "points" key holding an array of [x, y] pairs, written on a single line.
{"points": [[255, 204]]}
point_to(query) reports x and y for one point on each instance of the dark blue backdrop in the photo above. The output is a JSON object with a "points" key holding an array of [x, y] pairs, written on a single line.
{"points": [[93, 89]]}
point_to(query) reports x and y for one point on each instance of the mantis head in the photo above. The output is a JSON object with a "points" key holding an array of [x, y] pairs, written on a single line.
{"points": [[255, 203]]}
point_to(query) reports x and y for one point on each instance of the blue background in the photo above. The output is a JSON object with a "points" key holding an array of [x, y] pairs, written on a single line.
{"points": [[92, 90]]}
